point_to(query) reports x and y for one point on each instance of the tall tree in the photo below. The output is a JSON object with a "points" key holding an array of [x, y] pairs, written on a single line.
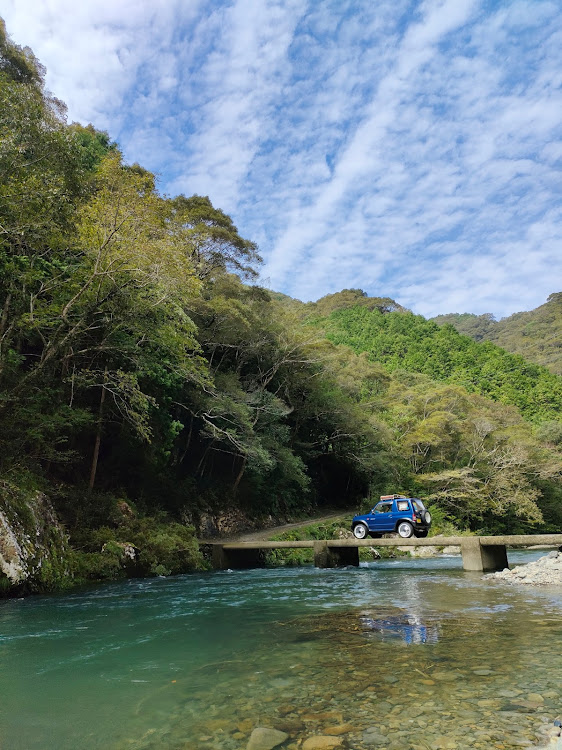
{"points": [[211, 239]]}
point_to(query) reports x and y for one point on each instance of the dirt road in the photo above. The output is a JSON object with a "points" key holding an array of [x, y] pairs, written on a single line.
{"points": [[264, 534]]}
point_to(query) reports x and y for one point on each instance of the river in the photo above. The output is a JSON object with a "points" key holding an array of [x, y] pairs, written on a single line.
{"points": [[397, 654]]}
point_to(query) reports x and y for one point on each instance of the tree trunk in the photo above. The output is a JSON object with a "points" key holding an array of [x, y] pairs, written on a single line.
{"points": [[240, 475], [201, 465], [97, 444]]}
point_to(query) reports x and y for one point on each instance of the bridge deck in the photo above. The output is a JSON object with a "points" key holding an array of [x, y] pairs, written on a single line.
{"points": [[479, 553], [515, 540]]}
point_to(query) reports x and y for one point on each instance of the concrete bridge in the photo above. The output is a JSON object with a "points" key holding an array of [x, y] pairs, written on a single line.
{"points": [[479, 553]]}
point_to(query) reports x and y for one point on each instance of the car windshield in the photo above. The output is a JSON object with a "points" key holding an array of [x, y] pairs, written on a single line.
{"points": [[418, 505]]}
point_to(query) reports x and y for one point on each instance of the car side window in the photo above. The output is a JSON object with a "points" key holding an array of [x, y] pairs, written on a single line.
{"points": [[383, 508], [403, 505]]}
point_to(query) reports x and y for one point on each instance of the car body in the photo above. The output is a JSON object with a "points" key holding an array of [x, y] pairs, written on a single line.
{"points": [[405, 516]]}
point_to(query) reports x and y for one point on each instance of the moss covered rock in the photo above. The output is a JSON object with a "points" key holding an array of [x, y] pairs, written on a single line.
{"points": [[34, 551]]}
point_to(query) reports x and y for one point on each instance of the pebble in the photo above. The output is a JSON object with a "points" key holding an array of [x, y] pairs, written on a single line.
{"points": [[338, 729], [245, 726], [374, 738], [290, 725], [535, 698], [323, 716], [321, 743]]}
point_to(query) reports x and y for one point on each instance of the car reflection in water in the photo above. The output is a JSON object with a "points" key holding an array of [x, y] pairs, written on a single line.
{"points": [[409, 628]]}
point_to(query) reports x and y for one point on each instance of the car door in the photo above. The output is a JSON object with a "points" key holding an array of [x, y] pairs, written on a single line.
{"points": [[401, 510], [382, 517]]}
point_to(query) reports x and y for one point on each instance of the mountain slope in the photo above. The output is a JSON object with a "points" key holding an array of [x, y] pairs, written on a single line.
{"points": [[403, 341], [535, 335]]}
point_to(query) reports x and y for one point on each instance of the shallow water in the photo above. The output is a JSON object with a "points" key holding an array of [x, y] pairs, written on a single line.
{"points": [[408, 654]]}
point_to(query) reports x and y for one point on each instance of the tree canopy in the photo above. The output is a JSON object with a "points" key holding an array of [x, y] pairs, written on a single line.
{"points": [[535, 335]]}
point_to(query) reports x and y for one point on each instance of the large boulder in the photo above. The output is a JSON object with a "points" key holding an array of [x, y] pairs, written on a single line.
{"points": [[33, 545]]}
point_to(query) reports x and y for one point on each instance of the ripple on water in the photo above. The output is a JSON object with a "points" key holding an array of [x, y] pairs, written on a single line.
{"points": [[398, 656]]}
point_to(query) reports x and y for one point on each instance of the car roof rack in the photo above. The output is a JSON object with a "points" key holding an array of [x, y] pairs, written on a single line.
{"points": [[393, 497]]}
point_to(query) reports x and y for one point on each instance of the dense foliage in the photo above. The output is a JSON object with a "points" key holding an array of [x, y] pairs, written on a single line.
{"points": [[145, 381], [401, 340], [535, 335]]}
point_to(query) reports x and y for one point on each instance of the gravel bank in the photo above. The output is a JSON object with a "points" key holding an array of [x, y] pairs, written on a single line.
{"points": [[546, 571]]}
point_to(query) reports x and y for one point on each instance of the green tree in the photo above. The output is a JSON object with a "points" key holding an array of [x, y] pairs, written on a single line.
{"points": [[211, 239]]}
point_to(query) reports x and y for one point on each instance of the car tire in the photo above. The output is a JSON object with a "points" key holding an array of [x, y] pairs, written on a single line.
{"points": [[405, 529], [360, 531], [427, 517], [421, 534]]}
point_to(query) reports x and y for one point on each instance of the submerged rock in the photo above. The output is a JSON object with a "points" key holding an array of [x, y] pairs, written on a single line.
{"points": [[321, 742], [335, 731], [374, 738], [263, 738]]}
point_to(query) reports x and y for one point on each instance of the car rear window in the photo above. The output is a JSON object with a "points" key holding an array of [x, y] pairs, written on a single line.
{"points": [[418, 505]]}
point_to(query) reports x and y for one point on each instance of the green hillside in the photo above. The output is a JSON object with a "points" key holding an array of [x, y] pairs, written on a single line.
{"points": [[535, 335], [401, 340]]}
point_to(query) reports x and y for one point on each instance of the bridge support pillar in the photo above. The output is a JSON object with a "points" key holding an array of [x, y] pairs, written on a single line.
{"points": [[483, 557], [236, 559], [334, 557], [321, 555]]}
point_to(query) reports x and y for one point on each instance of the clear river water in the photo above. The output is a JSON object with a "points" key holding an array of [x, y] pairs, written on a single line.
{"points": [[404, 654]]}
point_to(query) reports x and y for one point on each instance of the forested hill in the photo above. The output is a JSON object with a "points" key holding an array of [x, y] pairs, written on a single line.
{"points": [[536, 334], [148, 387], [402, 340]]}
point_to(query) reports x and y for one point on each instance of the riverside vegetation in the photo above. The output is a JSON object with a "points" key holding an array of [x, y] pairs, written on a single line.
{"points": [[147, 383]]}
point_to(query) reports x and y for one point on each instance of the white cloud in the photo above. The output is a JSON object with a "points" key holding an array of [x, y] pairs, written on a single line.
{"points": [[411, 149], [94, 50]]}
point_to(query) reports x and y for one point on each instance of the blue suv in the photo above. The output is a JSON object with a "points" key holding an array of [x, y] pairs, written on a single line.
{"points": [[406, 516]]}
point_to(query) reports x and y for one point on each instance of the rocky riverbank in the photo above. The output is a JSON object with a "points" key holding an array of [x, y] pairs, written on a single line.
{"points": [[34, 547], [546, 571]]}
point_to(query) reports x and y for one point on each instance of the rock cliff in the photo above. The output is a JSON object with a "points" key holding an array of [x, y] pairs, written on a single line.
{"points": [[34, 549]]}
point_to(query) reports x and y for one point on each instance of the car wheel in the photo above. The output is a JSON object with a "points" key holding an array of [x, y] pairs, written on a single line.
{"points": [[360, 531], [405, 529], [427, 517], [421, 534]]}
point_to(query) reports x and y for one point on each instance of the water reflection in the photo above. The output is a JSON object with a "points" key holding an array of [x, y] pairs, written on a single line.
{"points": [[409, 628], [409, 624]]}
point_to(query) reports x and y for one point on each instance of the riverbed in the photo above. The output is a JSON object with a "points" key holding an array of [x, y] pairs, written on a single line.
{"points": [[396, 654]]}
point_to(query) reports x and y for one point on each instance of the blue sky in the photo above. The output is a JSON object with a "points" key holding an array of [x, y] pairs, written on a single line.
{"points": [[411, 149]]}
